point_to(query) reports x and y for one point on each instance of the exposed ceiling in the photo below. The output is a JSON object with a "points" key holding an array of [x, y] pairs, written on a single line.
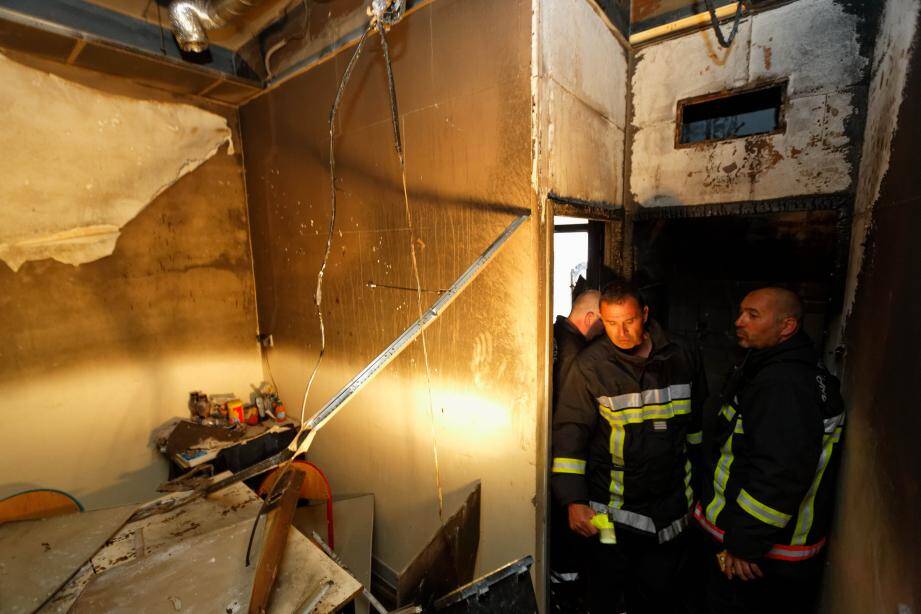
{"points": [[232, 37]]}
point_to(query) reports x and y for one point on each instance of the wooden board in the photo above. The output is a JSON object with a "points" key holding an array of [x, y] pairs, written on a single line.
{"points": [[275, 538], [196, 555], [37, 557], [354, 526]]}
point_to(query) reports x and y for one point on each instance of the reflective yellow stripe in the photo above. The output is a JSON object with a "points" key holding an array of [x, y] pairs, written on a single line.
{"points": [[618, 434], [764, 513], [621, 418], [695, 438], [738, 428], [805, 516], [568, 465], [728, 412], [688, 490], [649, 412], [720, 478]]}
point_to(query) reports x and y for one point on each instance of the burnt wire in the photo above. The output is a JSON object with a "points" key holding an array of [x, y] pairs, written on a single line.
{"points": [[318, 297], [280, 484], [398, 144], [724, 41]]}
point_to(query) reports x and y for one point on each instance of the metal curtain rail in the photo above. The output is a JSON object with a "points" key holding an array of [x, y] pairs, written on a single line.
{"points": [[335, 404], [302, 442]]}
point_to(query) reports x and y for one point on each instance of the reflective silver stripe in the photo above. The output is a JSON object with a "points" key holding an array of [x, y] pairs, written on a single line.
{"points": [[641, 522], [657, 396], [673, 530], [695, 438], [558, 577], [832, 423], [568, 465], [762, 511]]}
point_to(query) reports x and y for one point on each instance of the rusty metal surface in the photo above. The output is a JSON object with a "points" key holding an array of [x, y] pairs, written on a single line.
{"points": [[461, 70]]}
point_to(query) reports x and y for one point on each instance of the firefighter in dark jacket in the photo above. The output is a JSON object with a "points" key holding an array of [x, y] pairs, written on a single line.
{"points": [[771, 446], [623, 434], [570, 335]]}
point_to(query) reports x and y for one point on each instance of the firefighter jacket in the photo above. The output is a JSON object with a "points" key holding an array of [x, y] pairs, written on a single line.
{"points": [[622, 432], [771, 445], [567, 343]]}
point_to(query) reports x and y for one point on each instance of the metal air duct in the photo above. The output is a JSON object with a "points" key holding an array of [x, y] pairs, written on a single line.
{"points": [[191, 19]]}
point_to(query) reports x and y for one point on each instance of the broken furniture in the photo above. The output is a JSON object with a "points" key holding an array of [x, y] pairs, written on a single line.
{"points": [[315, 487], [354, 516], [508, 590], [187, 559], [191, 444], [38, 556]]}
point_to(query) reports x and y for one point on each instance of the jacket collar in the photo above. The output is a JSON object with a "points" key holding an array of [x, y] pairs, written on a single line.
{"points": [[660, 341], [569, 326], [797, 348]]}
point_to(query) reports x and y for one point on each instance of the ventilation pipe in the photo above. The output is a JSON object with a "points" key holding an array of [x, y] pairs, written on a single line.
{"points": [[191, 19]]}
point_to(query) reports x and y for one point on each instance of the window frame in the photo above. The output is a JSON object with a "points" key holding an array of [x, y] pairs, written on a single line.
{"points": [[781, 112]]}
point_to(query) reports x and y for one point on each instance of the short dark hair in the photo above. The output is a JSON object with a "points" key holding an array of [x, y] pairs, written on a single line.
{"points": [[620, 290]]}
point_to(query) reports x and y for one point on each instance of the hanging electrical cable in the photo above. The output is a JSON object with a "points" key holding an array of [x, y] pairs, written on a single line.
{"points": [[715, 22], [318, 295], [275, 492], [395, 11]]}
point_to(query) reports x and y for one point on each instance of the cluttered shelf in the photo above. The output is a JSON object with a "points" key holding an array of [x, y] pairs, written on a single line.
{"points": [[226, 432]]}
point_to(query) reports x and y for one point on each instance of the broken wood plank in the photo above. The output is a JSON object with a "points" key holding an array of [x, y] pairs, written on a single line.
{"points": [[278, 524]]}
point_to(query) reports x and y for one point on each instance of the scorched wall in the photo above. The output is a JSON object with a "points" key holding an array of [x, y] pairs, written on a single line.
{"points": [[461, 70]]}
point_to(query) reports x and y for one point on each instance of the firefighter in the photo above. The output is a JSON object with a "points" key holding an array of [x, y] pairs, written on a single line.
{"points": [[771, 445], [626, 422], [570, 335]]}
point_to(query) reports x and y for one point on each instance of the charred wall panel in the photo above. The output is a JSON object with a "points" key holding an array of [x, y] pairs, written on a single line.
{"points": [[816, 45], [96, 356], [462, 78], [582, 100], [876, 553]]}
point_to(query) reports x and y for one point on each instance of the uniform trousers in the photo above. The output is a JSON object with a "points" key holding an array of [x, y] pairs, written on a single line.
{"points": [[638, 575]]}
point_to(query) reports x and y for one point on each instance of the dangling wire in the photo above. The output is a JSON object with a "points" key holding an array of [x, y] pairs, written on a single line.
{"points": [[283, 470], [714, 20], [398, 144], [318, 296]]}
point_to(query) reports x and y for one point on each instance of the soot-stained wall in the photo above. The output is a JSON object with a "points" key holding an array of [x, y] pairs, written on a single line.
{"points": [[582, 99], [816, 45], [462, 79], [95, 356], [876, 547]]}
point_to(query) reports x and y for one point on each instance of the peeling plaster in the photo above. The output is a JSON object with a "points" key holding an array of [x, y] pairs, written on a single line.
{"points": [[814, 44], [79, 164], [890, 70]]}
